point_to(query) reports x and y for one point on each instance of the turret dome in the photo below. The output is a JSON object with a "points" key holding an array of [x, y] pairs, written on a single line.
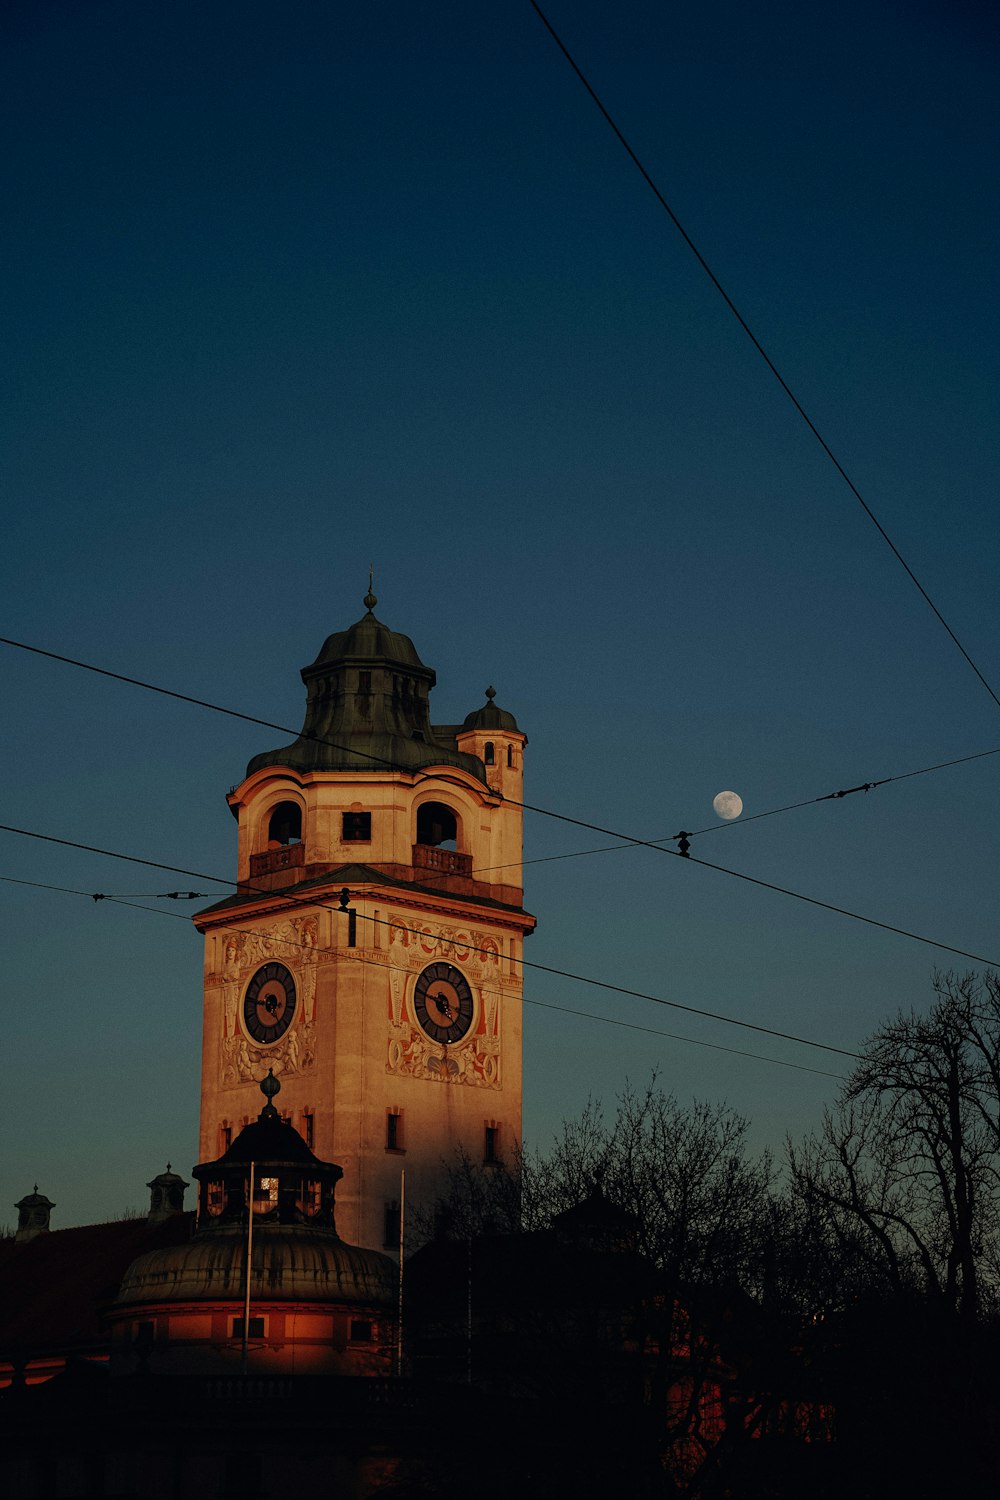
{"points": [[367, 708], [491, 716]]}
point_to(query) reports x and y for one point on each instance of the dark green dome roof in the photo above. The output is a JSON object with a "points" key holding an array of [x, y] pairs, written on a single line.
{"points": [[269, 1140], [368, 640], [290, 1263], [367, 708], [491, 716]]}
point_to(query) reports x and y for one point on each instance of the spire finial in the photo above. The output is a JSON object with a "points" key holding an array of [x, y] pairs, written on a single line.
{"points": [[491, 693], [269, 1086], [370, 600]]}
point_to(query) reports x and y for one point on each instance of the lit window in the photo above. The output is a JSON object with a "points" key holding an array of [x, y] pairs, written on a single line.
{"points": [[265, 1195], [216, 1198]]}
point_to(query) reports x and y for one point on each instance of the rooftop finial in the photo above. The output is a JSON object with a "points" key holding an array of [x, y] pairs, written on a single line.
{"points": [[269, 1086], [370, 600], [491, 693]]}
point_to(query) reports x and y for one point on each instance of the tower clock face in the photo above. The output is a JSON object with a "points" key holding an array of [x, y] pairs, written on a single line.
{"points": [[269, 1003], [443, 1003]]}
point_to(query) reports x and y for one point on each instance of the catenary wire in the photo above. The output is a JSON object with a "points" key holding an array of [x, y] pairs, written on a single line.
{"points": [[346, 954], [525, 963], [754, 880], [770, 812], [755, 341], [629, 839]]}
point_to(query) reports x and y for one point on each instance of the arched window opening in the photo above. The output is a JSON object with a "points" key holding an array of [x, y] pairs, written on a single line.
{"points": [[285, 825], [310, 1199], [510, 755], [436, 826], [489, 758]]}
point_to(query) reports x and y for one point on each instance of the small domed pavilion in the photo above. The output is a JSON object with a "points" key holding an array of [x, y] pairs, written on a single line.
{"points": [[315, 1306]]}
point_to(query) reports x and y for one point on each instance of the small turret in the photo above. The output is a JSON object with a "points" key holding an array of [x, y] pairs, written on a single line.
{"points": [[492, 734], [166, 1196], [33, 1215]]}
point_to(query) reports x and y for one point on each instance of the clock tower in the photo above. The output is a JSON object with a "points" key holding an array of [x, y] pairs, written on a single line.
{"points": [[371, 956]]}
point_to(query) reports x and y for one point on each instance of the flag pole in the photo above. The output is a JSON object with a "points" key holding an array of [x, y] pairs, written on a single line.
{"points": [[246, 1289]]}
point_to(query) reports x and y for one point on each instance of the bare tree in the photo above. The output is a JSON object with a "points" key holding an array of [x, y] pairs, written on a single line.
{"points": [[905, 1168]]}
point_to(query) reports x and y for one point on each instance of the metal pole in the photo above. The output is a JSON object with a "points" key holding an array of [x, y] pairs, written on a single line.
{"points": [[246, 1289], [402, 1241]]}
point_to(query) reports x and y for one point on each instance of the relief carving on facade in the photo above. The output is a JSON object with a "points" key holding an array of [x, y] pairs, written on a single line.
{"points": [[476, 1059], [440, 940], [293, 941], [242, 1062]]}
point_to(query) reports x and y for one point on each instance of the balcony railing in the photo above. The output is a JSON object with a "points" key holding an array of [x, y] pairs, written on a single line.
{"points": [[288, 857], [443, 861]]}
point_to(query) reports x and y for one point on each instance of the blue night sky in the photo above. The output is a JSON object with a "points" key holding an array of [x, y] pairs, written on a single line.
{"points": [[289, 289]]}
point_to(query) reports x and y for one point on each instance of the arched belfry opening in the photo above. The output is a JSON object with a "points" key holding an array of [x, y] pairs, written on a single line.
{"points": [[437, 826], [284, 825]]}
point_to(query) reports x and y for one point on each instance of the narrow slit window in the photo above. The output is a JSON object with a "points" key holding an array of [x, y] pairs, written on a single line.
{"points": [[491, 1144], [489, 755], [391, 1224], [394, 1130]]}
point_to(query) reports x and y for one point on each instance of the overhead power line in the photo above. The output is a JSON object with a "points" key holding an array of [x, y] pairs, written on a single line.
{"points": [[313, 901], [628, 839], [719, 827], [526, 1000], [755, 341]]}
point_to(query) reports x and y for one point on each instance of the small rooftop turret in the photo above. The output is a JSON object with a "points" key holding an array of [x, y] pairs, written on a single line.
{"points": [[166, 1195], [33, 1213]]}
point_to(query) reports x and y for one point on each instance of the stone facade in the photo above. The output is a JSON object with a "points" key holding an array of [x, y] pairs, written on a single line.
{"points": [[430, 856]]}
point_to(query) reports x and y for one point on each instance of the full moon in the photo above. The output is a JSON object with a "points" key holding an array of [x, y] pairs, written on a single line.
{"points": [[728, 804]]}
